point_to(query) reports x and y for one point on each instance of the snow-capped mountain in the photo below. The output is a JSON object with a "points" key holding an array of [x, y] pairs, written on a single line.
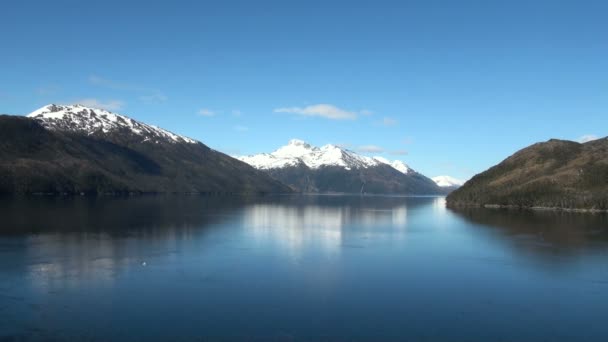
{"points": [[447, 181], [298, 152], [81, 150], [395, 164], [76, 149], [78, 118], [331, 168]]}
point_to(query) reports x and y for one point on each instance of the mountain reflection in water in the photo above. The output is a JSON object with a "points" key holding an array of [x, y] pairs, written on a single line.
{"points": [[297, 268]]}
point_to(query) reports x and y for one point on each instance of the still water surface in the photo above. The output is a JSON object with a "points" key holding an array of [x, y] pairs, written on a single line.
{"points": [[298, 268]]}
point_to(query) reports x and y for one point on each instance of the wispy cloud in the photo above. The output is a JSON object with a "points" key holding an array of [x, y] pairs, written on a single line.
{"points": [[389, 121], [104, 82], [320, 110], [236, 112], [399, 152], [153, 98], [96, 80], [344, 145], [366, 112], [48, 90], [408, 140], [107, 104], [370, 149], [587, 138], [148, 95], [240, 128], [206, 112]]}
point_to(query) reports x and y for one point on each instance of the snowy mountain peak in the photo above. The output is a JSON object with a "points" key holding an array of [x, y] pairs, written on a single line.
{"points": [[79, 118], [298, 142], [294, 149], [396, 164], [447, 181], [297, 152]]}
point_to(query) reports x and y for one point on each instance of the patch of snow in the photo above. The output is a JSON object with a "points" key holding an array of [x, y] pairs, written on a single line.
{"points": [[87, 120], [396, 164], [447, 181], [298, 152], [382, 160]]}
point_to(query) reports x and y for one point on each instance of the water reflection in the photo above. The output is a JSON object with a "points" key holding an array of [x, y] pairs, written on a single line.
{"points": [[147, 216], [60, 262], [296, 224], [543, 233], [65, 242], [385, 268], [69, 242]]}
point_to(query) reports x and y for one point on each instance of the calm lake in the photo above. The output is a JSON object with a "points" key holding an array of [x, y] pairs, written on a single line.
{"points": [[298, 268]]}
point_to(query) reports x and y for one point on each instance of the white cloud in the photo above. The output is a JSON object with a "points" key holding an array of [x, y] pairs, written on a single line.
{"points": [[96, 80], [389, 121], [107, 105], [366, 112], [48, 90], [587, 137], [206, 112], [344, 145], [241, 128], [149, 95], [321, 110], [104, 82], [370, 149], [399, 152], [408, 140], [236, 112], [153, 98]]}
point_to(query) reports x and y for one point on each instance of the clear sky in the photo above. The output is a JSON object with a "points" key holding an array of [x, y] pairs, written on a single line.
{"points": [[450, 87]]}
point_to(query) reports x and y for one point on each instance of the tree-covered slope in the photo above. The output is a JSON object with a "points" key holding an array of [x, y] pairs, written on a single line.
{"points": [[556, 174], [35, 159]]}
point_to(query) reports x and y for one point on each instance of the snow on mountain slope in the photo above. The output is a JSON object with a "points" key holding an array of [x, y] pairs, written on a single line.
{"points": [[78, 118], [298, 152], [396, 164], [447, 181]]}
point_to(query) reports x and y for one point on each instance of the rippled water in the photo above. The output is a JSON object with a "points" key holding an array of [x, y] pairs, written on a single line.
{"points": [[291, 268]]}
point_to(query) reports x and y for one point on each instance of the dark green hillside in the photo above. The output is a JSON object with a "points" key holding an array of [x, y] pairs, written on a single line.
{"points": [[36, 160]]}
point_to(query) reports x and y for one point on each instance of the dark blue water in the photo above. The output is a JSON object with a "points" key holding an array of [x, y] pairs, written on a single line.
{"points": [[298, 268]]}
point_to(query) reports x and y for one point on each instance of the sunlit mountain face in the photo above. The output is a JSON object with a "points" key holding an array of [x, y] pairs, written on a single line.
{"points": [[335, 169]]}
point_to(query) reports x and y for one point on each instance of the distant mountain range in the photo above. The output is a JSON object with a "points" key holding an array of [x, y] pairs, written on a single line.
{"points": [[552, 174], [448, 183], [334, 169], [76, 149]]}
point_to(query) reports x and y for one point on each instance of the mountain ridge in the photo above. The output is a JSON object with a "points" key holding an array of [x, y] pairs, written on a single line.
{"points": [[94, 121], [553, 174], [332, 168], [76, 149], [300, 152], [447, 181]]}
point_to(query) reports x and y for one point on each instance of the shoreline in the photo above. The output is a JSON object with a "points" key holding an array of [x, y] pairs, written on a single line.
{"points": [[535, 208]]}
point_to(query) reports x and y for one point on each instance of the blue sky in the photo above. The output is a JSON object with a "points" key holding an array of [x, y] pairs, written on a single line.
{"points": [[450, 87]]}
